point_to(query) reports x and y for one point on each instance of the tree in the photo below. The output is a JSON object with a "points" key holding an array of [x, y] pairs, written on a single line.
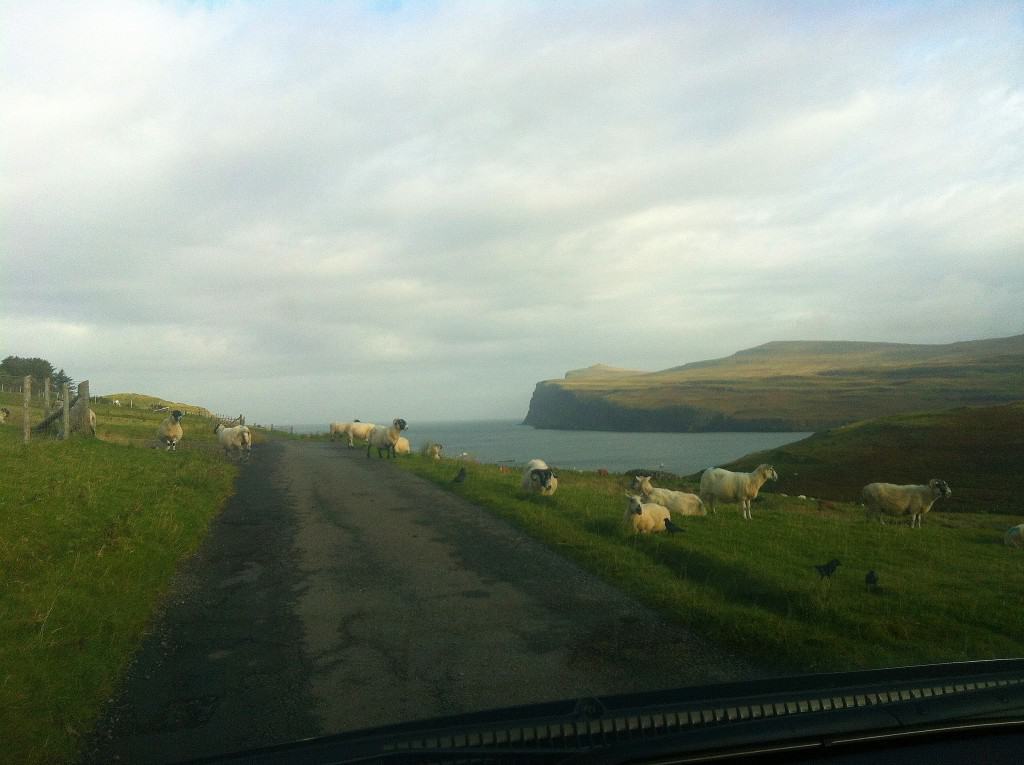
{"points": [[39, 369]]}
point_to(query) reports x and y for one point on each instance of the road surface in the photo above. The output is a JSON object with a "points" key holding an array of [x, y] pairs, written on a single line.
{"points": [[336, 593]]}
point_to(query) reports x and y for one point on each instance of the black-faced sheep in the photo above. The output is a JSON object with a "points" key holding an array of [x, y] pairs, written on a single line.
{"points": [[717, 484], [384, 438], [170, 431], [539, 478], [678, 502], [911, 499]]}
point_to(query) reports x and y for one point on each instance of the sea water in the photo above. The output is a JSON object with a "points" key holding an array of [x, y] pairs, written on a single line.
{"points": [[509, 442]]}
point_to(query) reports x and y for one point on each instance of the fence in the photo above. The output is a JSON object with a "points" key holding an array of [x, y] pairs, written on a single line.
{"points": [[74, 415]]}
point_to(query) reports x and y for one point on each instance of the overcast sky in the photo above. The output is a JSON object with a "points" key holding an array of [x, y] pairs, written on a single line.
{"points": [[317, 211]]}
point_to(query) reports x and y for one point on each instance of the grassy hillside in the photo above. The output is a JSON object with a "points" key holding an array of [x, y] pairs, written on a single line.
{"points": [[751, 586], [976, 450], [91, 531], [139, 400], [786, 386]]}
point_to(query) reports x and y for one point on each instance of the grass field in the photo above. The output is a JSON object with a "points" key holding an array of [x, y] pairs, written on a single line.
{"points": [[949, 591], [90, 534]]}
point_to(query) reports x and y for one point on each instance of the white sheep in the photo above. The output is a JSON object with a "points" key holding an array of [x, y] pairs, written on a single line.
{"points": [[432, 450], [646, 517], [724, 485], [911, 499], [360, 430], [170, 431], [539, 478], [92, 421], [117, 402], [678, 502], [4, 414], [338, 428], [402, 446], [236, 440], [384, 438], [1014, 536]]}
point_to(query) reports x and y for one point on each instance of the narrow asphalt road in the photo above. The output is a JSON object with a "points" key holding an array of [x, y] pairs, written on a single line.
{"points": [[336, 592]]}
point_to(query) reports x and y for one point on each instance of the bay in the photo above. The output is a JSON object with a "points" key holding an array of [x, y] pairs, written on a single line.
{"points": [[509, 442]]}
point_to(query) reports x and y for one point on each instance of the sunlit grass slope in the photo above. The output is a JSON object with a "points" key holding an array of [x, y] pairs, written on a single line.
{"points": [[90, 534], [947, 590]]}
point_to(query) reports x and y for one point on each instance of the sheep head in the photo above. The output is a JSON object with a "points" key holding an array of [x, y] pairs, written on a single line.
{"points": [[400, 424], [940, 488], [641, 483], [635, 504], [177, 414]]}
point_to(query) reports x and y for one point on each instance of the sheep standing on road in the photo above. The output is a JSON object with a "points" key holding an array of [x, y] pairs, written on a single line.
{"points": [[539, 478], [170, 432], [678, 502], [646, 517], [384, 439], [338, 428], [360, 430], [236, 440], [912, 499], [717, 484]]}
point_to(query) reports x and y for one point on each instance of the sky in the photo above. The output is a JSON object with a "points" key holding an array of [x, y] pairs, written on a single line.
{"points": [[313, 211]]}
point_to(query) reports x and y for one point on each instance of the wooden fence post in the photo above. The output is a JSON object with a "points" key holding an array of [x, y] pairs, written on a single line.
{"points": [[241, 419], [46, 395], [26, 390], [80, 411], [67, 411]]}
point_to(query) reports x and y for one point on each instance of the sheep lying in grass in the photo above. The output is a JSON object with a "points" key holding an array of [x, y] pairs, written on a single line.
{"points": [[647, 517], [4, 414], [236, 440], [402, 446], [1014, 536], [678, 502], [384, 438], [539, 478], [170, 432], [432, 450], [717, 484], [912, 499]]}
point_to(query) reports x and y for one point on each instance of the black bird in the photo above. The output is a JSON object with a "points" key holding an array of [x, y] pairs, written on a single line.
{"points": [[827, 569], [671, 528], [871, 580], [461, 476]]}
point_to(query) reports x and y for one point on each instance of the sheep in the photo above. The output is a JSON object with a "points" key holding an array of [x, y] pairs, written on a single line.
{"points": [[727, 486], [338, 428], [538, 477], [117, 402], [646, 517], [432, 450], [1014, 536], [384, 439], [402, 446], [360, 430], [92, 422], [170, 431], [912, 499], [4, 414], [677, 502], [237, 440]]}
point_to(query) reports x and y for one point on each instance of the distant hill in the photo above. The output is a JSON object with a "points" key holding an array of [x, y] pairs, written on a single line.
{"points": [[785, 386], [978, 451], [154, 402]]}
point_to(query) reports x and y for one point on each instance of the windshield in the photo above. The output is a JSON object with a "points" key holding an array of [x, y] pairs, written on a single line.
{"points": [[370, 362]]}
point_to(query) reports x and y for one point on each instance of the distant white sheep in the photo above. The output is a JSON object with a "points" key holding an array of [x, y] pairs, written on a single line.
{"points": [[236, 440], [678, 502], [911, 499], [92, 422], [539, 478], [646, 517], [402, 446], [717, 484], [1014, 536], [170, 431], [384, 438], [117, 402], [432, 450]]}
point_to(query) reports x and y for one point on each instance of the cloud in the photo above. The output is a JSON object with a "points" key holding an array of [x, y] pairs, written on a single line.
{"points": [[462, 199]]}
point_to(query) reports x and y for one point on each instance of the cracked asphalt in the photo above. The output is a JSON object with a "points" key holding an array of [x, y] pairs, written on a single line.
{"points": [[336, 593]]}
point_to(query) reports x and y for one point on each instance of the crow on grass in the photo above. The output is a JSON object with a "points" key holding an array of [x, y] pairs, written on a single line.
{"points": [[461, 476], [827, 569]]}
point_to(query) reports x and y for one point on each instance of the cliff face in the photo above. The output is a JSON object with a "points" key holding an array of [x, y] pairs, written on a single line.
{"points": [[554, 407], [785, 386]]}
